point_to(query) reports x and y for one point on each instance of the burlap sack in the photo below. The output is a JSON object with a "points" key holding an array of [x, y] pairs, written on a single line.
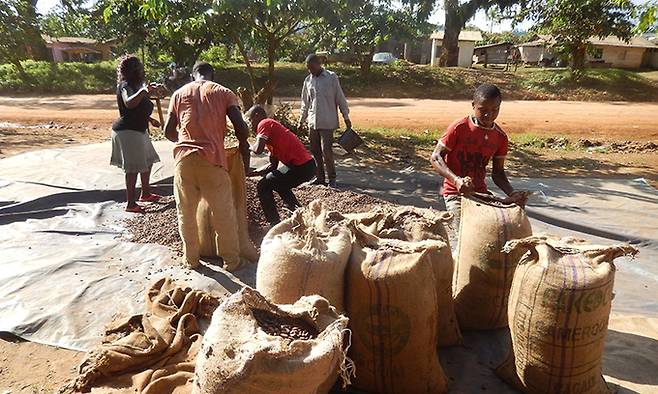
{"points": [[305, 255], [391, 301], [558, 315], [483, 274], [207, 235], [238, 355], [416, 224]]}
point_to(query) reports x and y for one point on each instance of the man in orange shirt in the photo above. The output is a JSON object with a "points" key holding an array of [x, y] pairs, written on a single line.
{"points": [[197, 124]]}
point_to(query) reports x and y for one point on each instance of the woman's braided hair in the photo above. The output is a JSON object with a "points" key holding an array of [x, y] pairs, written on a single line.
{"points": [[128, 70]]}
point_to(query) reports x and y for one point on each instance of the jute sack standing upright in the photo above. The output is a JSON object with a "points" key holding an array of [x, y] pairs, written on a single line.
{"points": [[417, 224], [483, 274], [305, 254], [253, 346], [207, 235], [391, 302], [558, 315]]}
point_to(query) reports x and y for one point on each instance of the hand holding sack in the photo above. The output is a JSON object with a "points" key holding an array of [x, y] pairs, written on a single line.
{"points": [[559, 307], [254, 346], [483, 275]]}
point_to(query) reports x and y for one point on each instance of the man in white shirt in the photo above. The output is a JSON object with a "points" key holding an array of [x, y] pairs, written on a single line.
{"points": [[321, 97]]}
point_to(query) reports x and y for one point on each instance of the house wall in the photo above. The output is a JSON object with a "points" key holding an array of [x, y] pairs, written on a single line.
{"points": [[466, 49], [495, 55], [58, 54], [622, 57], [653, 59], [531, 54]]}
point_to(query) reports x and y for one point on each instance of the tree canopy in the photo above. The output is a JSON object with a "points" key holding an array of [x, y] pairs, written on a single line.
{"points": [[572, 23]]}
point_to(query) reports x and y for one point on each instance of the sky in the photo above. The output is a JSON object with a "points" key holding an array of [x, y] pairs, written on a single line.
{"points": [[480, 20]]}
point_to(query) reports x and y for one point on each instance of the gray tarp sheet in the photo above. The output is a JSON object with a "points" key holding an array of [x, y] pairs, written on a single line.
{"points": [[65, 271]]}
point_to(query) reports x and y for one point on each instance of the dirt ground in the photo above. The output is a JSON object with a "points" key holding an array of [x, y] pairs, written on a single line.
{"points": [[62, 120], [29, 123]]}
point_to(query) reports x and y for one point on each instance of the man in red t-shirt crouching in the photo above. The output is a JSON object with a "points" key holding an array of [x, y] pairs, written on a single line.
{"points": [[284, 146], [462, 154]]}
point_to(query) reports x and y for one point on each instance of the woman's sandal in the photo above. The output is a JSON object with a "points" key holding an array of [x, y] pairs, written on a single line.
{"points": [[150, 198], [135, 209]]}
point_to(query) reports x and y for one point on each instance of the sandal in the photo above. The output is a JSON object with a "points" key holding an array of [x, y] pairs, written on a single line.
{"points": [[150, 198], [135, 209]]}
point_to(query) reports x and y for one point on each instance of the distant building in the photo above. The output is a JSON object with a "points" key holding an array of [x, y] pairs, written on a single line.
{"points": [[611, 51], [78, 49], [493, 53], [467, 40], [537, 51]]}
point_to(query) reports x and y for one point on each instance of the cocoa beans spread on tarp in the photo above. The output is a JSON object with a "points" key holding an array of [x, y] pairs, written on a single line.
{"points": [[416, 224], [483, 274], [254, 346], [391, 301], [305, 254], [559, 307], [207, 236]]}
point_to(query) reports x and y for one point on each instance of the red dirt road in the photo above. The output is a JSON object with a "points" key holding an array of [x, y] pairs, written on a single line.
{"points": [[608, 120]]}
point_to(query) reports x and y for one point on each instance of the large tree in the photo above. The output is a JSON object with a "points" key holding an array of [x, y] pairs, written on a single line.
{"points": [[272, 22], [359, 26], [572, 23], [457, 14], [20, 36]]}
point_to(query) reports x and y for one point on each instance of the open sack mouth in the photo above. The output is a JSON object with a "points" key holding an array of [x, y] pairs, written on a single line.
{"points": [[287, 327]]}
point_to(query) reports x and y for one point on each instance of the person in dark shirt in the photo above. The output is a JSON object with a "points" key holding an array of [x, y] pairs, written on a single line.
{"points": [[132, 149], [284, 146]]}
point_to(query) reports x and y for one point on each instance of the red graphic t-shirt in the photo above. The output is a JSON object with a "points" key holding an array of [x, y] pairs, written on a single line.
{"points": [[469, 150], [282, 143]]}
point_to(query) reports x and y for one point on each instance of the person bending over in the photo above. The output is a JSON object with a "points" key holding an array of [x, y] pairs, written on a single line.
{"points": [[197, 124], [284, 146], [462, 154]]}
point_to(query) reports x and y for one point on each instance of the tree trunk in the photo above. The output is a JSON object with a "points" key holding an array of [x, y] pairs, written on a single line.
{"points": [[19, 67], [247, 63], [365, 63], [453, 26], [272, 45], [578, 61]]}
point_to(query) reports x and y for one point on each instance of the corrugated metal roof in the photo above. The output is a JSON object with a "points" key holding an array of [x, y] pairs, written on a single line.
{"points": [[465, 35], [69, 40], [493, 45], [635, 42]]}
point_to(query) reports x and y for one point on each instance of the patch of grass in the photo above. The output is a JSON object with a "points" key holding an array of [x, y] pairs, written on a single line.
{"points": [[397, 81]]}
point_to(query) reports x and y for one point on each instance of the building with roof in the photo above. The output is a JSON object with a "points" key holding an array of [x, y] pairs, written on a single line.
{"points": [[78, 49], [610, 51], [467, 40], [497, 53]]}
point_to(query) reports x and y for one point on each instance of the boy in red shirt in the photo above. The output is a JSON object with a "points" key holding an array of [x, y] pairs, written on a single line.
{"points": [[284, 146], [462, 154]]}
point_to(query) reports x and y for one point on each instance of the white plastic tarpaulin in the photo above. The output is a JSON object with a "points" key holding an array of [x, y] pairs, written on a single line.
{"points": [[65, 269]]}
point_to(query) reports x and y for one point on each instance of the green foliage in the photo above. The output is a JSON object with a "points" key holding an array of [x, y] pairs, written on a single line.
{"points": [[358, 26], [573, 22], [45, 77], [458, 13], [648, 17], [19, 31], [506, 36]]}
